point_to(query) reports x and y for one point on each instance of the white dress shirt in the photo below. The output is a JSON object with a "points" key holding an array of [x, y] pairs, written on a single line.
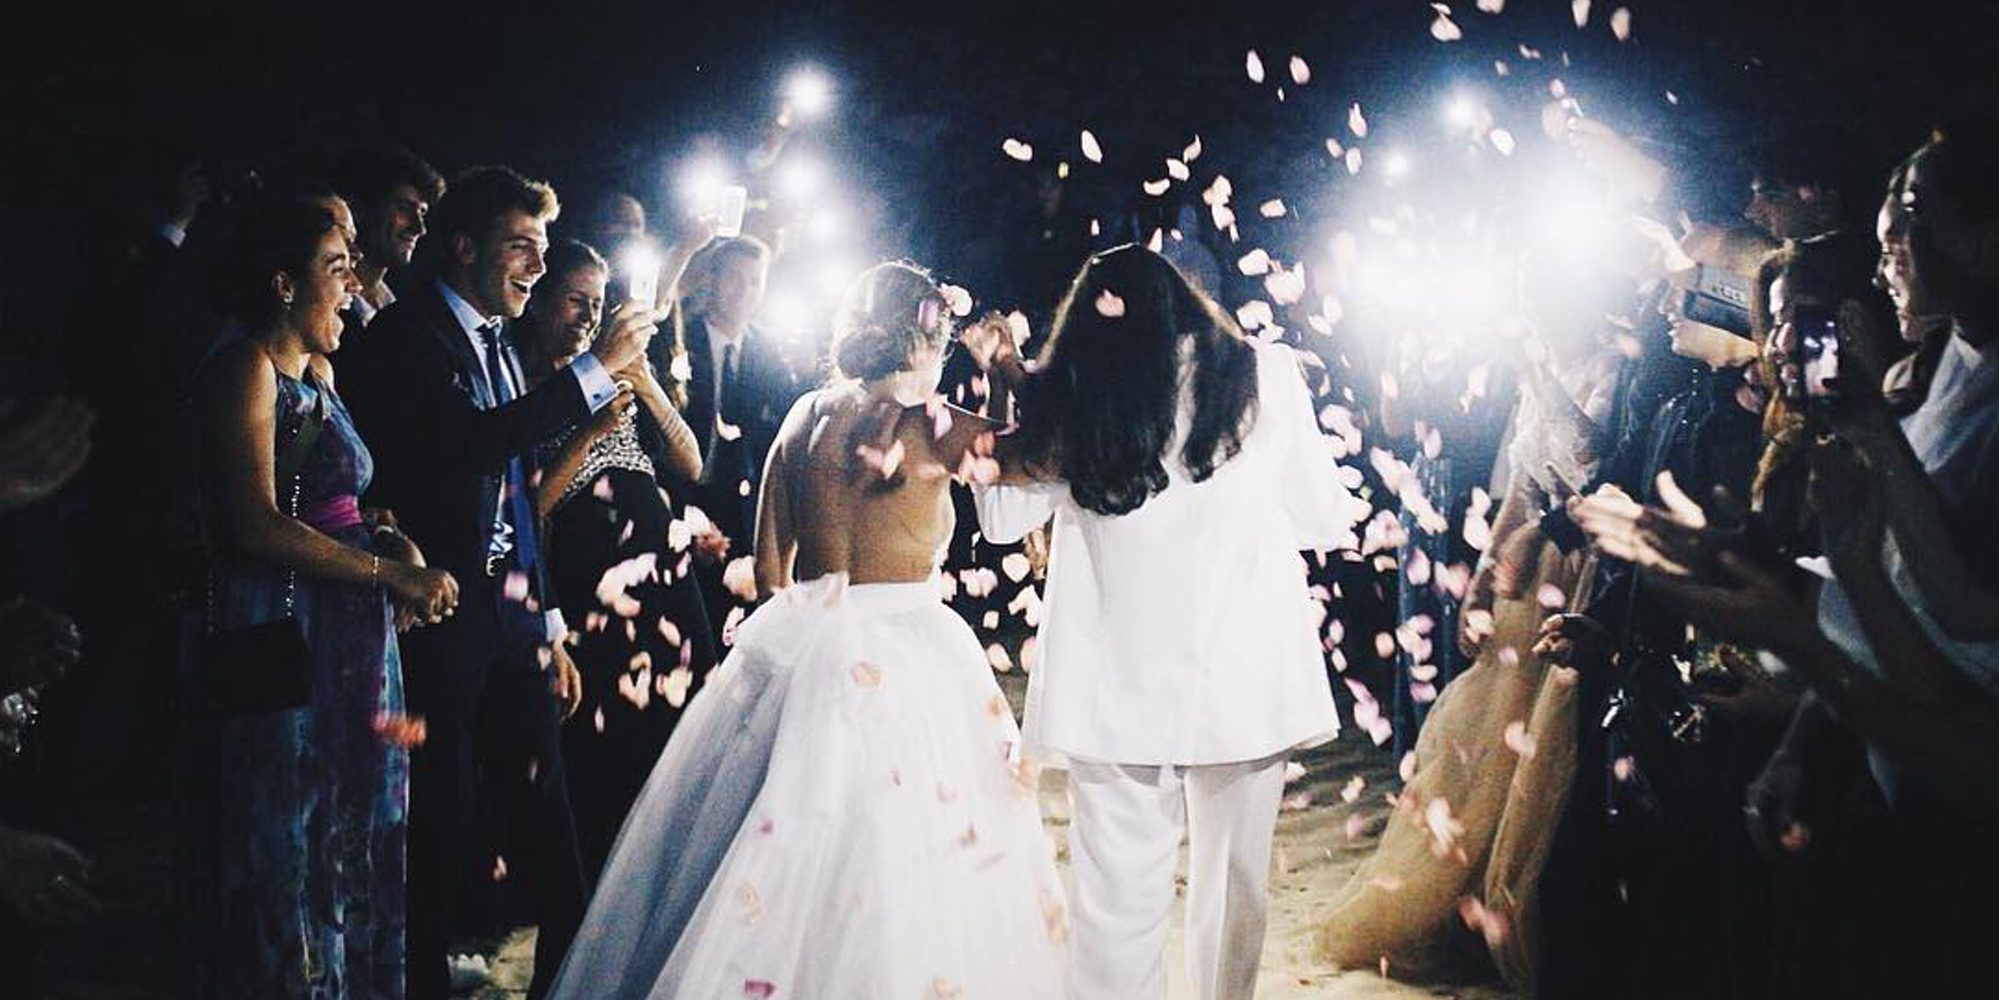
{"points": [[598, 389], [1182, 633]]}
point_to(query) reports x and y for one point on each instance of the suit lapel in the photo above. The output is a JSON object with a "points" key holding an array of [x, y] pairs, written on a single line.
{"points": [[467, 372]]}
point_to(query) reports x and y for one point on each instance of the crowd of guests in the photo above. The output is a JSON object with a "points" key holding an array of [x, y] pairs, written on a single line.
{"points": [[443, 528], [1729, 721], [435, 519]]}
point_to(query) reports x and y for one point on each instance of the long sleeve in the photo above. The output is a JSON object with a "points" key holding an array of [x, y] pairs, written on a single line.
{"points": [[1323, 513]]}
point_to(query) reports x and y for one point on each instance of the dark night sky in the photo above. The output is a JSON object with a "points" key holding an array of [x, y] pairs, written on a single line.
{"points": [[593, 93]]}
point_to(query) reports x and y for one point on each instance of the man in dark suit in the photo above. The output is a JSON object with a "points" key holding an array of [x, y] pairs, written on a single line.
{"points": [[437, 392], [739, 386]]}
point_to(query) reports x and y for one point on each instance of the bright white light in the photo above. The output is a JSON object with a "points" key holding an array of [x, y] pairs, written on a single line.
{"points": [[785, 313], [800, 178], [808, 92], [700, 185], [1461, 111], [834, 275], [1396, 164], [826, 224]]}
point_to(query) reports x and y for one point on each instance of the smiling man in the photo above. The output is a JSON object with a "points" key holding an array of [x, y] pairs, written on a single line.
{"points": [[391, 191], [436, 390]]}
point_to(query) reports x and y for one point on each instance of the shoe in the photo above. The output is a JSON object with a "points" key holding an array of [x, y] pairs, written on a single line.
{"points": [[468, 972]]}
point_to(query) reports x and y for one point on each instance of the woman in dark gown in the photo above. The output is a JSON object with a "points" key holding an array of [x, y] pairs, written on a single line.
{"points": [[298, 818], [619, 559]]}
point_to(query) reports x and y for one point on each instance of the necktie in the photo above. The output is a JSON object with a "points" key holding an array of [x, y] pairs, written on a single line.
{"points": [[725, 394], [520, 516]]}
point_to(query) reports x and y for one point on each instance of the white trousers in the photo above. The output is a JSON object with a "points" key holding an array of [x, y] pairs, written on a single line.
{"points": [[1124, 841]]}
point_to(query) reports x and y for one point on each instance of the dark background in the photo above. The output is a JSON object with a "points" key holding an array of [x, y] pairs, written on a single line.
{"points": [[102, 106]]}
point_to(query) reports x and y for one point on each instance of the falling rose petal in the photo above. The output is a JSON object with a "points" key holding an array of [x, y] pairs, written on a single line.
{"points": [[1517, 739], [1492, 6], [1192, 151], [1335, 149], [1444, 29], [1224, 216], [1301, 73], [1491, 924], [1273, 209], [1406, 768], [1673, 98], [997, 658], [1352, 790], [1177, 170], [1015, 566], [516, 587], [726, 430], [1444, 829], [1295, 803], [1579, 10], [1218, 191], [758, 989], [679, 535], [1254, 314], [1156, 188], [957, 298], [1622, 768], [1091, 150], [1294, 771], [674, 686], [749, 903], [866, 675], [740, 576], [1353, 160], [1621, 23], [1550, 596], [681, 368], [1253, 64], [1502, 140], [1353, 827], [1500, 68], [1356, 122], [990, 621], [1109, 305], [1156, 241], [636, 688], [1018, 150], [945, 989], [1287, 287], [1254, 263]]}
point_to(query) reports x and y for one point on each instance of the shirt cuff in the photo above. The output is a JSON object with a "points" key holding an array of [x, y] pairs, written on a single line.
{"points": [[553, 626], [596, 382]]}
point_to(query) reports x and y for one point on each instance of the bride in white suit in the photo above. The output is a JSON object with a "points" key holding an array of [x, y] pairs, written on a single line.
{"points": [[1179, 661]]}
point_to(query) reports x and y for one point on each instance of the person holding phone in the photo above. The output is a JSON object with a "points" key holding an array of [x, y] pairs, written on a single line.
{"points": [[738, 389], [606, 494]]}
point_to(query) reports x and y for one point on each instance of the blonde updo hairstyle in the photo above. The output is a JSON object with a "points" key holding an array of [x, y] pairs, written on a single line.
{"points": [[889, 313]]}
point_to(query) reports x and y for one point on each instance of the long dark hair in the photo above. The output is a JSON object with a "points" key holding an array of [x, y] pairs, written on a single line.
{"points": [[1099, 412]]}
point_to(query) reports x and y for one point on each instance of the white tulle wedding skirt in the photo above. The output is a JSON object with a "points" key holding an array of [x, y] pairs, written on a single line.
{"points": [[842, 813]]}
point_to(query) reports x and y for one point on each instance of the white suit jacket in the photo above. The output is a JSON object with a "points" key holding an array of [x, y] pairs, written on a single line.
{"points": [[1182, 632]]}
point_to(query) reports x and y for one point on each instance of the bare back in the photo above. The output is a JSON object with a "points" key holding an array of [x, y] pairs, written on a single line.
{"points": [[857, 485]]}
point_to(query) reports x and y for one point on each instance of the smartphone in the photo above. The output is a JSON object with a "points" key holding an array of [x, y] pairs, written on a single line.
{"points": [[729, 211], [1816, 331], [641, 275]]}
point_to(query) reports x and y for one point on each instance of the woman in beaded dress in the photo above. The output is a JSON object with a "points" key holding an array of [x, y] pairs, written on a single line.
{"points": [[620, 560]]}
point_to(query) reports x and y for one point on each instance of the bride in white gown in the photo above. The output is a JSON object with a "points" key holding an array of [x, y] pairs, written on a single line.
{"points": [[844, 811]]}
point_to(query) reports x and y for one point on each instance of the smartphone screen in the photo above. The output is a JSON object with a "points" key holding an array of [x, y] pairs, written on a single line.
{"points": [[1818, 352], [729, 211]]}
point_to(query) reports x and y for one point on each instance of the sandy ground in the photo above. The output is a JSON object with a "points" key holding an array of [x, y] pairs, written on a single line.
{"points": [[1313, 856]]}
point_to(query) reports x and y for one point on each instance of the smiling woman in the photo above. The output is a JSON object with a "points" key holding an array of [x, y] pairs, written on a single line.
{"points": [[302, 813]]}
